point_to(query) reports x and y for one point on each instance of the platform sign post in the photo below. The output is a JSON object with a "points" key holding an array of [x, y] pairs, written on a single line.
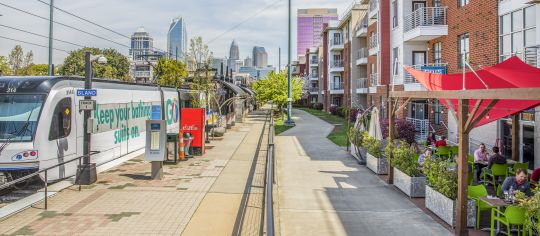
{"points": [[155, 150]]}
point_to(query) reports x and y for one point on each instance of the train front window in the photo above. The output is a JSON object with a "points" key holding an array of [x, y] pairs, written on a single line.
{"points": [[19, 115]]}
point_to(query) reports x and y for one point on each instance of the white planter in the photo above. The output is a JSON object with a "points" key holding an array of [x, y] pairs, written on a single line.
{"points": [[377, 165], [445, 208], [412, 186]]}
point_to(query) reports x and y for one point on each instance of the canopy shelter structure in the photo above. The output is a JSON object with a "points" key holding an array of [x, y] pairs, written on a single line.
{"points": [[476, 98]]}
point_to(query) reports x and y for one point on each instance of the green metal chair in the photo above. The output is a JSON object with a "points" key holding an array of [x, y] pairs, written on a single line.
{"points": [[497, 170], [519, 165], [471, 159], [444, 151], [476, 192], [513, 215], [454, 150]]}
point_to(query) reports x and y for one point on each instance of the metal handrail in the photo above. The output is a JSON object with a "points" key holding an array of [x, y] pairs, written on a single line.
{"points": [[409, 79], [373, 43], [374, 79], [269, 181], [10, 183], [362, 53], [373, 5], [336, 63], [425, 16]]}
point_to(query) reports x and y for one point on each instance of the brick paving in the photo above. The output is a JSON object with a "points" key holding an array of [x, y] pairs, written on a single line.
{"points": [[125, 201]]}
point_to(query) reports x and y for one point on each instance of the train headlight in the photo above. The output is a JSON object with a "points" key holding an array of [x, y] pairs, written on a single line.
{"points": [[25, 155]]}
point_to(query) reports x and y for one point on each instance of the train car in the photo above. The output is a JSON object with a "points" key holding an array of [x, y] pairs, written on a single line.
{"points": [[41, 124]]}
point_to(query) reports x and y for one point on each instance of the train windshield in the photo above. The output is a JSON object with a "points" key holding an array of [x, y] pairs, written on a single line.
{"points": [[19, 115]]}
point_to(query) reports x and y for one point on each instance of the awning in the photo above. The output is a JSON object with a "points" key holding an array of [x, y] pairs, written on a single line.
{"points": [[512, 73], [236, 90], [249, 91]]}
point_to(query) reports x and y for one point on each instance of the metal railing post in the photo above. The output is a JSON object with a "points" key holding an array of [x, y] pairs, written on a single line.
{"points": [[46, 185]]}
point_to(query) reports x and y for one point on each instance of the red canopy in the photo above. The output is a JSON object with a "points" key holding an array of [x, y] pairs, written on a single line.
{"points": [[512, 73]]}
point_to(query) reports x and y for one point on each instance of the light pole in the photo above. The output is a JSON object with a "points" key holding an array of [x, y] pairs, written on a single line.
{"points": [[289, 121], [87, 170], [51, 11]]}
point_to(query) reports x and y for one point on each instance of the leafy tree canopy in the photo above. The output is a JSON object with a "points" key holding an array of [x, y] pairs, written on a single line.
{"points": [[117, 66], [171, 72], [274, 88]]}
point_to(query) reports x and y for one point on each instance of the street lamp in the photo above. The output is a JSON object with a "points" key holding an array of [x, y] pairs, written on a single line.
{"points": [[87, 170], [289, 121]]}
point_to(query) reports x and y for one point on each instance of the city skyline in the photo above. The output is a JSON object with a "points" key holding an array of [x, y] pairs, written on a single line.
{"points": [[217, 31], [177, 39]]}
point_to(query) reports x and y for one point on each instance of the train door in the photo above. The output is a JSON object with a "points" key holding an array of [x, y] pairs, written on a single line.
{"points": [[62, 143]]}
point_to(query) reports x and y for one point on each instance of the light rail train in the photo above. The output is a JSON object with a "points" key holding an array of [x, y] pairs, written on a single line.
{"points": [[41, 124]]}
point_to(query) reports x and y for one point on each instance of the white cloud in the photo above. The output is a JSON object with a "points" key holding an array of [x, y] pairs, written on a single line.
{"points": [[206, 18]]}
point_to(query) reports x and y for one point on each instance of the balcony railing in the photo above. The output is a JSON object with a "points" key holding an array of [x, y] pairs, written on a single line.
{"points": [[314, 75], [336, 63], [530, 55], [425, 16], [409, 79], [336, 42], [373, 43], [314, 61], [142, 74], [361, 83], [374, 79], [314, 89], [363, 24], [362, 53], [421, 126], [336, 86], [373, 4]]}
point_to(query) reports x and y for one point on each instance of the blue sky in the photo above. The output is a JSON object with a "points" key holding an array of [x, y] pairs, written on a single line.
{"points": [[206, 18]]}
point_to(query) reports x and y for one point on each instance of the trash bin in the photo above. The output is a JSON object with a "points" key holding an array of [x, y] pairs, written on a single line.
{"points": [[172, 147], [187, 143]]}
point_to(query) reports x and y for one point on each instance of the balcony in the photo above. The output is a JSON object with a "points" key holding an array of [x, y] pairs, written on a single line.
{"points": [[373, 45], [425, 24], [336, 88], [336, 66], [142, 74], [361, 57], [361, 85], [411, 84], [421, 126], [336, 44], [531, 56], [313, 90], [373, 9], [313, 77], [373, 82], [314, 62], [361, 28]]}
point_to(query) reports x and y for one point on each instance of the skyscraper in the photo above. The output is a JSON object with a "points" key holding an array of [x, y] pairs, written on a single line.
{"points": [[248, 61], [310, 27], [234, 55], [260, 57], [177, 39], [142, 44]]}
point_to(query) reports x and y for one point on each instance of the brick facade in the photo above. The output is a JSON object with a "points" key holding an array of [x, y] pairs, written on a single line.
{"points": [[346, 74]]}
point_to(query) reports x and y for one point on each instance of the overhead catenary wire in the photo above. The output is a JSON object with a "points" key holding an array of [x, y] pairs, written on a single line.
{"points": [[35, 44], [40, 35]]}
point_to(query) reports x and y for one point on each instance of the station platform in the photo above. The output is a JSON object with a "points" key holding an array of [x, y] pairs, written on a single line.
{"points": [[219, 193]]}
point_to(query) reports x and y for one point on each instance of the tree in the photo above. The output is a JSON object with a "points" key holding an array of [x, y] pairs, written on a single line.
{"points": [[37, 69], [199, 58], [16, 59], [274, 88], [4, 66], [117, 66], [171, 72]]}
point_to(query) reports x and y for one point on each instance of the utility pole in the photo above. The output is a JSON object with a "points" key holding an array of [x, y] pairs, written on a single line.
{"points": [[87, 171], [279, 60], [51, 6], [289, 121]]}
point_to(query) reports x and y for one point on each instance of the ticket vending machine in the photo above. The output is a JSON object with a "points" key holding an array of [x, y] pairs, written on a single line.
{"points": [[156, 150]]}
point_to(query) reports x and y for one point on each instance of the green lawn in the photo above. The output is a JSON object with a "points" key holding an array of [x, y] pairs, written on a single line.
{"points": [[278, 125], [339, 134]]}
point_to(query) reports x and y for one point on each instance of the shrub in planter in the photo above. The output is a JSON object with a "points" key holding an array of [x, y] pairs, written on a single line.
{"points": [[372, 145], [532, 208], [352, 114], [440, 177], [405, 129], [405, 159]]}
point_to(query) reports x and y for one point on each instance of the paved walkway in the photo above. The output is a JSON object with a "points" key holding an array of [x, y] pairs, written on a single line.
{"points": [[209, 195], [323, 191]]}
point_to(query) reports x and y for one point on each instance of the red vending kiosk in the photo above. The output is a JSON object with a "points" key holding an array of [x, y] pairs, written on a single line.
{"points": [[193, 122]]}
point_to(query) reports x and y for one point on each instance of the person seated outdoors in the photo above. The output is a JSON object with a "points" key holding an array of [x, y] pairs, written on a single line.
{"points": [[481, 156], [441, 142], [518, 182], [496, 158], [427, 154], [431, 139], [535, 176]]}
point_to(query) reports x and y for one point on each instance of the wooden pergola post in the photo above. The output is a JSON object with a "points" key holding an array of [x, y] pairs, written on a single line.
{"points": [[463, 171], [515, 135]]}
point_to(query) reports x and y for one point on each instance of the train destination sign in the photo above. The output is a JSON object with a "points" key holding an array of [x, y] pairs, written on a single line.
{"points": [[86, 92]]}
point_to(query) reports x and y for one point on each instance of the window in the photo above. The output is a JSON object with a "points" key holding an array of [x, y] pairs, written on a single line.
{"points": [[437, 112], [436, 3], [383, 107], [395, 61], [463, 49], [462, 3], [517, 31], [61, 120], [394, 14], [437, 54]]}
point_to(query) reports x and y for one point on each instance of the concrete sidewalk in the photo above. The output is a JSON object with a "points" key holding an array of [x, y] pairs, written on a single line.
{"points": [[201, 196], [323, 191]]}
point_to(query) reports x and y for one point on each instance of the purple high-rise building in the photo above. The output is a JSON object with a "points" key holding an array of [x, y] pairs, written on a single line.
{"points": [[310, 27]]}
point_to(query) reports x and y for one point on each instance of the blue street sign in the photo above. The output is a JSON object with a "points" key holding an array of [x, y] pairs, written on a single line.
{"points": [[86, 92], [434, 69]]}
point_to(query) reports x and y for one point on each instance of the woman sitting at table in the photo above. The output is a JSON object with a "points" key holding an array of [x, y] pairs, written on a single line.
{"points": [[431, 139], [518, 182], [427, 154], [481, 156], [441, 142]]}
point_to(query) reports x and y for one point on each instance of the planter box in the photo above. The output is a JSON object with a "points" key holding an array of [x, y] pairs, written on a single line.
{"points": [[358, 153], [377, 165], [445, 208], [412, 186]]}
